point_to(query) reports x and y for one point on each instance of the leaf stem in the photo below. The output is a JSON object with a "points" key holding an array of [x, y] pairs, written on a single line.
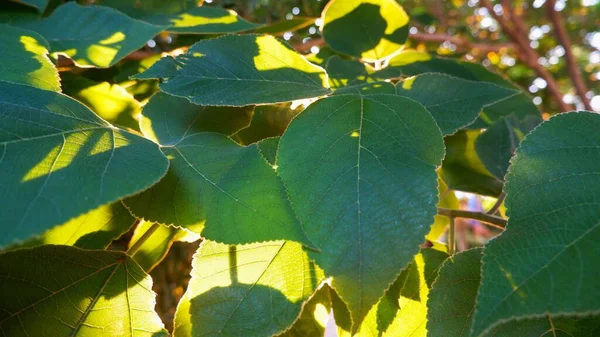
{"points": [[499, 201], [492, 220], [451, 239], [138, 244]]}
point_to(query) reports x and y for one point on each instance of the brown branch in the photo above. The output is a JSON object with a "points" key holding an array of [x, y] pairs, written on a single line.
{"points": [[494, 221], [514, 28], [563, 38]]}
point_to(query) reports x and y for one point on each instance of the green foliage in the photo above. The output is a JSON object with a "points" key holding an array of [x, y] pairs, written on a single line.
{"points": [[314, 192], [66, 291]]}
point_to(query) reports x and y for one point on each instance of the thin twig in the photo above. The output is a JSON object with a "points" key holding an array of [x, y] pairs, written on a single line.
{"points": [[498, 203], [451, 237], [461, 43], [563, 38], [138, 244], [492, 220]]}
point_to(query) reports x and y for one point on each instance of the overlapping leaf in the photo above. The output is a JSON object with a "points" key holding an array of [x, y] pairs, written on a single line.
{"points": [[82, 33], [453, 102], [39, 5], [250, 290], [238, 70], [25, 58], [95, 229], [65, 291], [360, 172], [214, 186], [367, 29], [58, 160], [545, 263], [182, 17], [451, 307]]}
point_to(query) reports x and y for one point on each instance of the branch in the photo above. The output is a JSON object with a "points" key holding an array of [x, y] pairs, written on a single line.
{"points": [[498, 203], [563, 38], [138, 244], [514, 28], [461, 43], [494, 221]]}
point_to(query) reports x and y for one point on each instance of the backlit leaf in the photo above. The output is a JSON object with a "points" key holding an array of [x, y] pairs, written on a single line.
{"points": [[58, 160], [25, 56], [545, 262], [453, 102], [214, 186], [267, 121], [256, 289], [82, 33], [64, 291], [238, 70], [281, 27], [360, 173], [366, 29], [182, 17]]}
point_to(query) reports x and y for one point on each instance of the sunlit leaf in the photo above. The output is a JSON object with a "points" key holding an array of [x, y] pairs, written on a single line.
{"points": [[545, 263], [453, 102], [66, 291], [402, 311], [267, 121], [82, 33], [182, 17], [343, 73], [314, 316], [168, 119], [447, 200], [451, 306], [154, 249], [258, 289], [210, 173], [367, 29], [360, 173], [238, 70], [462, 168], [281, 27], [95, 229], [25, 59], [110, 101], [58, 160]]}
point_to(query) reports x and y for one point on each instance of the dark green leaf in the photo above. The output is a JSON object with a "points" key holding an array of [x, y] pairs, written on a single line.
{"points": [[360, 173], [82, 33], [238, 70], [64, 291], [267, 121], [367, 29], [25, 58], [545, 263], [39, 5], [58, 160]]}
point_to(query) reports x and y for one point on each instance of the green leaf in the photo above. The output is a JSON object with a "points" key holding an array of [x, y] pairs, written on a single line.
{"points": [[343, 73], [453, 102], [58, 160], [452, 302], [367, 29], [258, 289], [65, 291], [238, 70], [154, 249], [447, 200], [462, 168], [27, 54], [545, 262], [39, 5], [402, 311], [110, 101], [280, 27], [182, 17], [82, 33], [452, 298], [267, 121], [168, 119], [95, 229], [363, 169], [268, 149], [314, 316], [208, 172], [496, 145]]}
